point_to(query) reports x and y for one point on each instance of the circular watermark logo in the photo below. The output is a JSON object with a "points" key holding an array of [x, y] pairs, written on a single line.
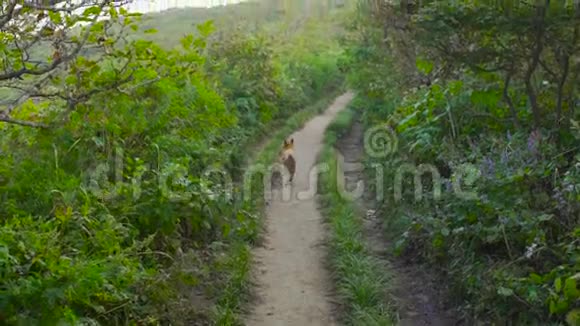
{"points": [[380, 141]]}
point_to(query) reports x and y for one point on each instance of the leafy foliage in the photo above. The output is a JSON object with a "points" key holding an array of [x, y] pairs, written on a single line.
{"points": [[106, 215], [492, 87]]}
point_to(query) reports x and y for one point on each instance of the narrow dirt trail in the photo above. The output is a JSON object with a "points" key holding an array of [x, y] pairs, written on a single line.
{"points": [[292, 283]]}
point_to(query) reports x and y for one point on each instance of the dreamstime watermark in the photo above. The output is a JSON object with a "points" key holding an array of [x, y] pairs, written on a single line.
{"points": [[177, 184], [380, 141], [463, 175]]}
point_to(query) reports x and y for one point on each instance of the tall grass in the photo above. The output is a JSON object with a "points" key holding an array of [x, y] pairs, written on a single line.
{"points": [[360, 280]]}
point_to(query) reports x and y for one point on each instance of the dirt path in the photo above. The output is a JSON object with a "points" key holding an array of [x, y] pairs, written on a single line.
{"points": [[416, 292], [292, 283]]}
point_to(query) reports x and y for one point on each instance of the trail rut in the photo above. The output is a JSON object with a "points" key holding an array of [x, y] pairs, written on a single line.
{"points": [[292, 284], [419, 299]]}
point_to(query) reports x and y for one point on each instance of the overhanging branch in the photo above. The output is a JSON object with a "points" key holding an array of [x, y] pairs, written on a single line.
{"points": [[7, 119]]}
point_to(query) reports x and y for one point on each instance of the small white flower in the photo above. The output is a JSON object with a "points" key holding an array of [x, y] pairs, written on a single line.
{"points": [[530, 250]]}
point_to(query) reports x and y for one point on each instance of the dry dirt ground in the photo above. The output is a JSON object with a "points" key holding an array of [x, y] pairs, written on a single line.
{"points": [[292, 284]]}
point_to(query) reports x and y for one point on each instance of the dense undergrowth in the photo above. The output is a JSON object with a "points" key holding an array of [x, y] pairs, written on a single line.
{"points": [[359, 281], [106, 215], [484, 94]]}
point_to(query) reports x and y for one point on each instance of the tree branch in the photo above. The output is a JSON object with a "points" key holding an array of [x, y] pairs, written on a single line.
{"points": [[547, 69], [7, 119], [41, 71], [22, 43], [536, 52], [508, 99], [56, 8], [5, 18]]}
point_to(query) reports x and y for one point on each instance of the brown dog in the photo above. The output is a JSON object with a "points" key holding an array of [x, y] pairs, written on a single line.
{"points": [[286, 156]]}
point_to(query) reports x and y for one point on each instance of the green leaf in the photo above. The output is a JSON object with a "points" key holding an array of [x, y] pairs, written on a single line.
{"points": [[226, 230], [570, 290], [553, 308], [573, 317], [186, 41], [402, 124], [536, 278], [505, 291], [55, 17], [545, 217], [113, 12], [488, 98], [206, 28], [150, 31], [558, 284], [455, 87], [71, 80], [424, 66], [95, 10], [558, 306], [562, 306]]}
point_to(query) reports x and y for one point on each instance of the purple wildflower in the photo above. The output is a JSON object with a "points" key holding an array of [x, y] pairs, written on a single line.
{"points": [[505, 157], [448, 184], [560, 199], [531, 145], [488, 167]]}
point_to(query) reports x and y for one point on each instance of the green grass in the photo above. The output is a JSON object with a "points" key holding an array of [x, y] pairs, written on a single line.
{"points": [[360, 281], [238, 263], [237, 266]]}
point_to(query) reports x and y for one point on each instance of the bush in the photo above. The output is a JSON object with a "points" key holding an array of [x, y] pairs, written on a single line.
{"points": [[466, 106], [106, 215]]}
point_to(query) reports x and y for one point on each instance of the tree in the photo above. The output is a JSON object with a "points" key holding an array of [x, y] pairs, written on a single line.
{"points": [[48, 49]]}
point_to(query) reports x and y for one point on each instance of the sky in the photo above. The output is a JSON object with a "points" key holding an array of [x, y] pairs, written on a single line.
{"points": [[147, 6]]}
